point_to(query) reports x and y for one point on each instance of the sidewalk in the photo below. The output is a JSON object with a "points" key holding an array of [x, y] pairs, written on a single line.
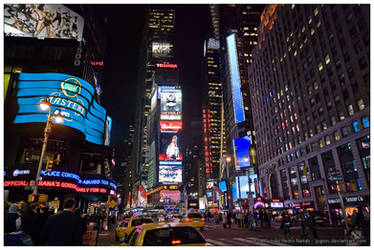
{"points": [[326, 235]]}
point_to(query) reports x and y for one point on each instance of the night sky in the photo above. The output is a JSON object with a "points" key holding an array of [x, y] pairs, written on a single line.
{"points": [[120, 72]]}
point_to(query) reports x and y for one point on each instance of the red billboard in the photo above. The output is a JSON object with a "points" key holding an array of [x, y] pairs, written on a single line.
{"points": [[170, 126]]}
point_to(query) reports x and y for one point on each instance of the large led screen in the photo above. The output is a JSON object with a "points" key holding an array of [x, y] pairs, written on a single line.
{"points": [[42, 21], [70, 94], [162, 49], [241, 150], [170, 174], [244, 187], [235, 79], [171, 104], [169, 148], [170, 126]]}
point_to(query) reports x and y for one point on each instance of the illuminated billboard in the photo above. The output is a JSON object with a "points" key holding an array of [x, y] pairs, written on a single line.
{"points": [[162, 49], [241, 151], [169, 148], [244, 187], [160, 88], [108, 129], [170, 196], [170, 174], [171, 104], [72, 95], [235, 79], [42, 21], [170, 126]]}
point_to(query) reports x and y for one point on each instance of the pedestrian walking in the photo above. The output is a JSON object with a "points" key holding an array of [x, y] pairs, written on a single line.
{"points": [[64, 228], [286, 224], [311, 225], [246, 220], [256, 217], [251, 221], [229, 218], [224, 220], [262, 217], [12, 219]]}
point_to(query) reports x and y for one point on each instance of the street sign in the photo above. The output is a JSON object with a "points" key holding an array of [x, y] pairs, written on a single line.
{"points": [[43, 198], [28, 188], [112, 204]]}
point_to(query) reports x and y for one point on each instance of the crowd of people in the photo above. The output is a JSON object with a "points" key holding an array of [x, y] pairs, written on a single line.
{"points": [[43, 227], [306, 222]]}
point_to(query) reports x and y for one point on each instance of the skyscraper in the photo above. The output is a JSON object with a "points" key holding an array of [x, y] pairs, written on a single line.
{"points": [[311, 75], [159, 49]]}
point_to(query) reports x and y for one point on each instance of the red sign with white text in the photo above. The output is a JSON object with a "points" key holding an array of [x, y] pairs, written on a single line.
{"points": [[170, 126]]}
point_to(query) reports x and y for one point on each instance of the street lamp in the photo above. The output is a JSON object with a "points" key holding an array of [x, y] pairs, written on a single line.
{"points": [[44, 105]]}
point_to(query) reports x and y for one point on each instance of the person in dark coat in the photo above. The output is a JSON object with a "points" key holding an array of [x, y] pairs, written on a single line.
{"points": [[30, 223], [12, 218], [229, 217], [63, 228]]}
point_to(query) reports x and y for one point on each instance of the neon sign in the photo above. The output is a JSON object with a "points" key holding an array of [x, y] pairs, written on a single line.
{"points": [[97, 63], [17, 172], [169, 66], [72, 95], [258, 204]]}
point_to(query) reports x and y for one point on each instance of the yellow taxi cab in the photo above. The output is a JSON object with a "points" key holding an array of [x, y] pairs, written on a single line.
{"points": [[126, 228], [195, 219], [165, 234], [120, 229]]}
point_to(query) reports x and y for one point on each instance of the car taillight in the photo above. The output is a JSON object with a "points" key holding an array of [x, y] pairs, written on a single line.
{"points": [[176, 242]]}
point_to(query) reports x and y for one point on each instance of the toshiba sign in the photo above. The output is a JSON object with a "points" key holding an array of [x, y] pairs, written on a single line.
{"points": [[170, 66]]}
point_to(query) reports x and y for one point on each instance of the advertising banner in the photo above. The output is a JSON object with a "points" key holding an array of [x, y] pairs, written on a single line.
{"points": [[73, 96], [237, 98], [170, 174], [244, 187], [170, 196], [170, 126], [241, 150], [169, 148], [42, 21], [171, 104], [162, 49]]}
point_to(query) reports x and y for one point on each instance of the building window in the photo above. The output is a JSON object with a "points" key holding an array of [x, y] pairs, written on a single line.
{"points": [[337, 135], [327, 140], [347, 162], [285, 187], [350, 110], [361, 104], [314, 169], [365, 122], [356, 126], [294, 186], [363, 145], [345, 131], [332, 173]]}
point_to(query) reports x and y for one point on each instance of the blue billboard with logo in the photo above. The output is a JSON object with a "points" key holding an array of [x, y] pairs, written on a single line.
{"points": [[73, 96]]}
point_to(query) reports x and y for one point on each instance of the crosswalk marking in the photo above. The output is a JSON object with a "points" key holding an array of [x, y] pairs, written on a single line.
{"points": [[247, 241], [216, 242], [276, 243]]}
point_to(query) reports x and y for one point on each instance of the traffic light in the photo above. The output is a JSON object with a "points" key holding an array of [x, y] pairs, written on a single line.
{"points": [[49, 166], [32, 198]]}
